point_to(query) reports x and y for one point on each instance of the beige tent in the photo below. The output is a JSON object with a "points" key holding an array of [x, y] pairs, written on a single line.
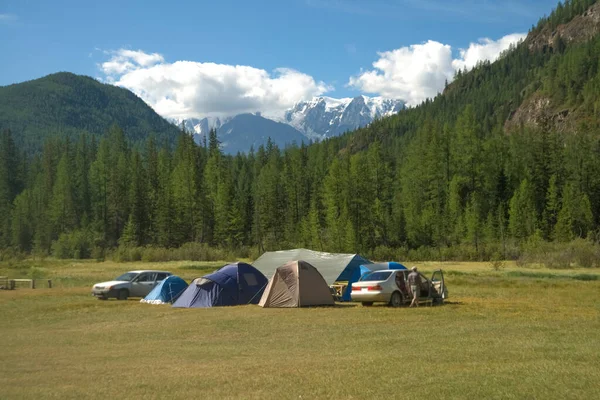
{"points": [[296, 284]]}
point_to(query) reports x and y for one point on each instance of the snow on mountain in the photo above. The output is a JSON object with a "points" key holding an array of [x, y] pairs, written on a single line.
{"points": [[200, 127], [324, 117], [316, 119]]}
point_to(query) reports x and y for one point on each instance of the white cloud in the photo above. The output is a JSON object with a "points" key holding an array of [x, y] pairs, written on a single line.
{"points": [[420, 71], [485, 50], [410, 73], [123, 61], [185, 89]]}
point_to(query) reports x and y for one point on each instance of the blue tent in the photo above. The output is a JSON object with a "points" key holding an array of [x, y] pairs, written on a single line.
{"points": [[386, 265], [166, 291], [234, 284], [354, 269], [357, 272]]}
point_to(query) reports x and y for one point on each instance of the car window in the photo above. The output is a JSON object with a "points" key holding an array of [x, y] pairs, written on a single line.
{"points": [[161, 276], [146, 277], [376, 276], [126, 277]]}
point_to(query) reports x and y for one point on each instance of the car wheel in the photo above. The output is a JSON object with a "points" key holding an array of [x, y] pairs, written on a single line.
{"points": [[396, 299], [123, 294], [367, 303], [102, 298]]}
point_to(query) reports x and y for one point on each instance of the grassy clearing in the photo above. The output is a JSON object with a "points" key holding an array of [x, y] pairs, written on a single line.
{"points": [[502, 336]]}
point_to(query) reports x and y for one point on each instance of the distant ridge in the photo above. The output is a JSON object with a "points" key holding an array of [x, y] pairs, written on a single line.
{"points": [[65, 103]]}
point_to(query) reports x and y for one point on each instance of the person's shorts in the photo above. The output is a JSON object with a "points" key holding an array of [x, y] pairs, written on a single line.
{"points": [[414, 290]]}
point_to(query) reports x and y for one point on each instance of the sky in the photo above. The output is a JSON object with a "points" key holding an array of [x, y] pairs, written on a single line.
{"points": [[216, 58]]}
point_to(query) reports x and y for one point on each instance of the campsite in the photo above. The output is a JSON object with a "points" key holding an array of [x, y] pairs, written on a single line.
{"points": [[333, 199], [510, 333]]}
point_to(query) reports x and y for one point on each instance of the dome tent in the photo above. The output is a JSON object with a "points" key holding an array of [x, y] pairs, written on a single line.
{"points": [[167, 291], [296, 284], [234, 284]]}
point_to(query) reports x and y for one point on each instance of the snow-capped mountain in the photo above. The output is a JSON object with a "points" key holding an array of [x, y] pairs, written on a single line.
{"points": [[240, 133], [324, 117], [200, 127], [317, 119]]}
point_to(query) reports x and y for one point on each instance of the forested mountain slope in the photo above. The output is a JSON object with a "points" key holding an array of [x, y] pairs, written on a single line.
{"points": [[507, 156], [65, 103]]}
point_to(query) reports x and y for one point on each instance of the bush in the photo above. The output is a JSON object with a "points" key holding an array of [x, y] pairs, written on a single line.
{"points": [[11, 254], [35, 272], [187, 252], [156, 254], [578, 253], [76, 244]]}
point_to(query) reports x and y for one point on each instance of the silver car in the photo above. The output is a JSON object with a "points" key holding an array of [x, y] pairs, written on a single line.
{"points": [[390, 286], [130, 284]]}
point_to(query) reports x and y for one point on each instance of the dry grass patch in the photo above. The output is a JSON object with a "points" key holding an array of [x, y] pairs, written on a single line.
{"points": [[500, 337]]}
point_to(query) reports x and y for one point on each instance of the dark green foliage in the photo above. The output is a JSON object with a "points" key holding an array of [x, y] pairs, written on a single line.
{"points": [[68, 104]]}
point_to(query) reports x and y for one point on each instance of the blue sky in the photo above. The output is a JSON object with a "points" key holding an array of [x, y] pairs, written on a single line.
{"points": [[332, 42]]}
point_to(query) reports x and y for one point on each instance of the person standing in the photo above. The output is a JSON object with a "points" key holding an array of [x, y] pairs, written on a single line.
{"points": [[414, 280]]}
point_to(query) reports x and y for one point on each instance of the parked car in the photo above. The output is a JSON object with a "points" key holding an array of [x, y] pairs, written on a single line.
{"points": [[389, 286], [130, 284]]}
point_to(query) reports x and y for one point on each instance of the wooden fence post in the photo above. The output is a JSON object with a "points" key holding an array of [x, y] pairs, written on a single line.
{"points": [[49, 283], [33, 283]]}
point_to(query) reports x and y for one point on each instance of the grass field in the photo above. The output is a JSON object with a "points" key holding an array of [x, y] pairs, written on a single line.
{"points": [[514, 333]]}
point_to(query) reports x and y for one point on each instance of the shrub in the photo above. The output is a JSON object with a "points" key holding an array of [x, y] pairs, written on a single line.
{"points": [[76, 244], [580, 252], [35, 273], [11, 254]]}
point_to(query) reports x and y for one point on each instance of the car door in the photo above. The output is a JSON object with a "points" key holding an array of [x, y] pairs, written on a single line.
{"points": [[143, 284], [438, 285], [425, 287], [401, 284]]}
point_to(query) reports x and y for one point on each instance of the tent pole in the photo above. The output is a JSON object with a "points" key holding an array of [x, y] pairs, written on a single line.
{"points": [[262, 288]]}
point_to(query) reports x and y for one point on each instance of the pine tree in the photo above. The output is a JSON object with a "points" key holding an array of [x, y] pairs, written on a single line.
{"points": [[523, 221], [186, 186], [63, 213], [138, 221], [9, 184], [22, 222], [335, 201], [164, 212]]}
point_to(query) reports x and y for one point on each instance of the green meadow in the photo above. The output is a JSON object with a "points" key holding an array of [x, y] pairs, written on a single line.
{"points": [[505, 333]]}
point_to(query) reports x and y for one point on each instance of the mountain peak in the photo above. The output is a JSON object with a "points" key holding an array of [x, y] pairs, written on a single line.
{"points": [[315, 119], [323, 117]]}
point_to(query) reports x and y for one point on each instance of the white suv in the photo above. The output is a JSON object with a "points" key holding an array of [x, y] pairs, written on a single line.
{"points": [[130, 284]]}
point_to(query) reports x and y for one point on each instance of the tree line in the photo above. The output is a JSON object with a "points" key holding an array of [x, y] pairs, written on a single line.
{"points": [[449, 187]]}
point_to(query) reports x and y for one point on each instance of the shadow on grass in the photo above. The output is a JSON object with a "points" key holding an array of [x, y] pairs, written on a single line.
{"points": [[344, 305], [453, 303]]}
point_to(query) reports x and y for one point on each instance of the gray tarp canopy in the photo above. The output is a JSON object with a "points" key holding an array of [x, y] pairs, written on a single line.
{"points": [[330, 265]]}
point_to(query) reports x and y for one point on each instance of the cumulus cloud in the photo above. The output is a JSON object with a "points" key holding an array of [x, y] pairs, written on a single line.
{"points": [[412, 73], [185, 89], [418, 72], [123, 61], [485, 50]]}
